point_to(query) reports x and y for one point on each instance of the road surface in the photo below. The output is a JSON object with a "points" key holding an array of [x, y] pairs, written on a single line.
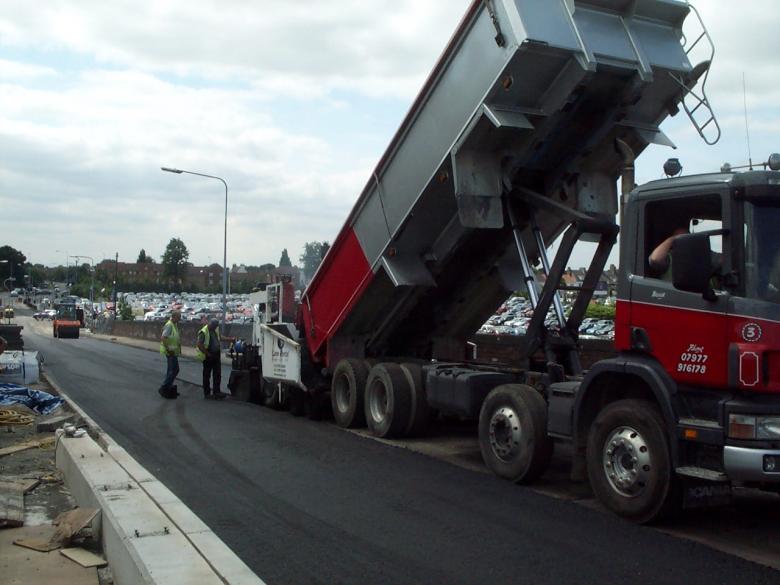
{"points": [[303, 502]]}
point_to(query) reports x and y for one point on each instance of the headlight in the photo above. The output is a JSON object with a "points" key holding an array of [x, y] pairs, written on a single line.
{"points": [[742, 426], [746, 426], [768, 427]]}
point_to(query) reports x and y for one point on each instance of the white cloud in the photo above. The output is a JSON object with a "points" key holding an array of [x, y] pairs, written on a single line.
{"points": [[292, 102], [294, 47]]}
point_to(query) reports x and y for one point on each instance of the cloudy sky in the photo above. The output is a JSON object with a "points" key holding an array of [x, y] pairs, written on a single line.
{"points": [[291, 102]]}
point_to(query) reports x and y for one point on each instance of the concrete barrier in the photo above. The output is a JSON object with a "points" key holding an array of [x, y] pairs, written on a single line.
{"points": [[151, 330]]}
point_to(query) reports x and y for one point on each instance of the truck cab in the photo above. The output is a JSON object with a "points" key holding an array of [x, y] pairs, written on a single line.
{"points": [[714, 342]]}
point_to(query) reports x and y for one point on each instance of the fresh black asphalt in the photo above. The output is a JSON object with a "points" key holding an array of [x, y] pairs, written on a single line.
{"points": [[303, 502]]}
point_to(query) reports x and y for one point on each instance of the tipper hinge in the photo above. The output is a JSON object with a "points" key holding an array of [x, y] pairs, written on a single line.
{"points": [[500, 40]]}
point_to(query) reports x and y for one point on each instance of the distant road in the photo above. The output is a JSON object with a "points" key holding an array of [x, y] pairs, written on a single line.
{"points": [[303, 502]]}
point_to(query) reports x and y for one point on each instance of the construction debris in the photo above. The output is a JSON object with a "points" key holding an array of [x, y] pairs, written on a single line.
{"points": [[52, 423], [11, 505], [18, 565], [68, 524], [83, 557], [39, 401], [43, 443], [9, 417]]}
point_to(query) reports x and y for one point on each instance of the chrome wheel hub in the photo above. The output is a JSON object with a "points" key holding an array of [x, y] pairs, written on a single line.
{"points": [[505, 433], [626, 461], [377, 402], [342, 394]]}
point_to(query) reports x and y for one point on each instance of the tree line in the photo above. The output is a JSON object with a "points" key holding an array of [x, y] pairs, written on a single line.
{"points": [[16, 272]]}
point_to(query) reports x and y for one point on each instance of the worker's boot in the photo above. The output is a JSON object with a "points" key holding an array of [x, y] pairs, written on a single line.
{"points": [[167, 392]]}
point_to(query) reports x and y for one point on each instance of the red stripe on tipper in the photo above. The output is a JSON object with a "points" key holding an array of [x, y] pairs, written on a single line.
{"points": [[336, 288]]}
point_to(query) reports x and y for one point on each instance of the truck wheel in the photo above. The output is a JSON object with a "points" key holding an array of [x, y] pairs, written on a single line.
{"points": [[629, 466], [513, 433], [316, 406], [346, 393], [388, 400], [297, 399], [256, 382], [272, 395], [420, 412]]}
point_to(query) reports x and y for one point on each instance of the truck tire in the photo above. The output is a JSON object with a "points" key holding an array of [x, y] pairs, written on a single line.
{"points": [[272, 397], [297, 399], [346, 393], [316, 406], [420, 414], [256, 382], [629, 465], [513, 433], [388, 401]]}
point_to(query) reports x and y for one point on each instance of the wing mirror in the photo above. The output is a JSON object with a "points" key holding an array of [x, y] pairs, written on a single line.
{"points": [[692, 263]]}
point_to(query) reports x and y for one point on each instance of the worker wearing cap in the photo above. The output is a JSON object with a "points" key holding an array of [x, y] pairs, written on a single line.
{"points": [[660, 259], [209, 351], [170, 347]]}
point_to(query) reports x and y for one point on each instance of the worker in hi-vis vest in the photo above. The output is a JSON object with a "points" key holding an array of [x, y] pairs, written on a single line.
{"points": [[209, 351], [170, 347]]}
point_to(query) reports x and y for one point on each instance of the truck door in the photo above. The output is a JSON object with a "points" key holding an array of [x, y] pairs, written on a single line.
{"points": [[687, 334]]}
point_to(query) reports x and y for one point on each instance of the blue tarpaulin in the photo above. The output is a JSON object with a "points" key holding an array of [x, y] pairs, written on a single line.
{"points": [[40, 402]]}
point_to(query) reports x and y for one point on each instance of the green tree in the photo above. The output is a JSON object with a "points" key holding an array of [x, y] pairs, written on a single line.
{"points": [[143, 258], [174, 262], [38, 275], [597, 311], [313, 253], [284, 261], [57, 274], [266, 267], [13, 268], [125, 310]]}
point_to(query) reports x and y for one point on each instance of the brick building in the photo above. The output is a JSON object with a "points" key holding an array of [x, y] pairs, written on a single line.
{"points": [[202, 277]]}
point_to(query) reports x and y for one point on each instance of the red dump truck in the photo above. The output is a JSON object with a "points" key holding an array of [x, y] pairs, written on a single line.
{"points": [[519, 138]]}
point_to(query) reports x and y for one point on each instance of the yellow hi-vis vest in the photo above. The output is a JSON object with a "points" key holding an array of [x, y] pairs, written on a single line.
{"points": [[206, 338], [172, 343]]}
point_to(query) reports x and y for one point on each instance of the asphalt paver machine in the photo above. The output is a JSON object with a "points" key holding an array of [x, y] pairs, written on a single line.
{"points": [[518, 139]]}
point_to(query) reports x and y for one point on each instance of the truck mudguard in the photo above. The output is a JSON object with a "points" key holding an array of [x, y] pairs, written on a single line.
{"points": [[644, 368]]}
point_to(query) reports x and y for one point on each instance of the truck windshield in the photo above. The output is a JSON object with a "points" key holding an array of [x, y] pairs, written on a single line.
{"points": [[762, 252]]}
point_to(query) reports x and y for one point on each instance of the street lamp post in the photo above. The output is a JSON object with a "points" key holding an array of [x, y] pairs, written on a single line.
{"points": [[91, 284], [224, 250], [66, 266]]}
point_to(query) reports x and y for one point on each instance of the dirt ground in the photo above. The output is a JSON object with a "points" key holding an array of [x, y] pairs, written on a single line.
{"points": [[42, 504]]}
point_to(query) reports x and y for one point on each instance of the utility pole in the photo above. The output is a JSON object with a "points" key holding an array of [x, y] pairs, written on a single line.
{"points": [[116, 278]]}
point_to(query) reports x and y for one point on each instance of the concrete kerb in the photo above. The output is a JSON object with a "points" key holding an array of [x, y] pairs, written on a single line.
{"points": [[149, 536]]}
